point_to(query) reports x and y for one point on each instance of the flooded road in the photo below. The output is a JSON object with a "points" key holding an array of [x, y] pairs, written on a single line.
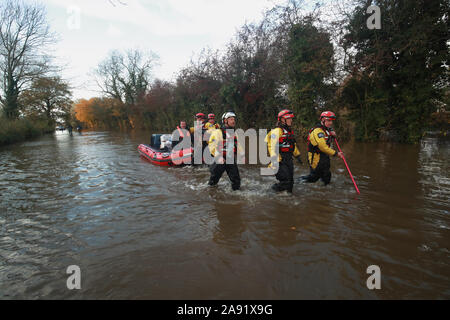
{"points": [[138, 231]]}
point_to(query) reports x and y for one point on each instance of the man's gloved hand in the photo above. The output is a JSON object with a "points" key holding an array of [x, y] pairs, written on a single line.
{"points": [[299, 160], [332, 133]]}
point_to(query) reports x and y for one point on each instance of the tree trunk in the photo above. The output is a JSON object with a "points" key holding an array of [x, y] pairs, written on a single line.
{"points": [[11, 96]]}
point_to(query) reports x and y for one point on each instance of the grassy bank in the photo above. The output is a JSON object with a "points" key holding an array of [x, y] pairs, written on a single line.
{"points": [[12, 131]]}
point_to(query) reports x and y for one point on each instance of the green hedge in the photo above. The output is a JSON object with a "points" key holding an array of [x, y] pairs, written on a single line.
{"points": [[12, 131]]}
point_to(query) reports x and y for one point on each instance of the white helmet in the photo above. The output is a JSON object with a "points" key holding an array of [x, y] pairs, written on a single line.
{"points": [[227, 115]]}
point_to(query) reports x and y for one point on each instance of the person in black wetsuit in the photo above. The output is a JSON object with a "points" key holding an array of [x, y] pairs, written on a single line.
{"points": [[224, 147], [282, 144]]}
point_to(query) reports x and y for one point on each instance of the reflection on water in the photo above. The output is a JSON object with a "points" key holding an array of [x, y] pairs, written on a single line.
{"points": [[141, 231]]}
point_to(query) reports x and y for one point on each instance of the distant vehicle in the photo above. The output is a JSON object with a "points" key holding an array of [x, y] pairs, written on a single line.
{"points": [[60, 128]]}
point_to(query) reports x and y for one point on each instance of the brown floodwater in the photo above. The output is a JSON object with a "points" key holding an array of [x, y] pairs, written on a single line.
{"points": [[138, 231]]}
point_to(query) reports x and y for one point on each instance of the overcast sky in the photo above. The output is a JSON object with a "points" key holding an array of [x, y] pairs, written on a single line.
{"points": [[173, 29]]}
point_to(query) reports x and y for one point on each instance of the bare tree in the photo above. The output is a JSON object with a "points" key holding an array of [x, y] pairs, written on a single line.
{"points": [[24, 35], [125, 77]]}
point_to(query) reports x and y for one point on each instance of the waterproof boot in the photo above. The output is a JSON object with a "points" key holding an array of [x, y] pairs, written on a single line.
{"points": [[276, 187]]}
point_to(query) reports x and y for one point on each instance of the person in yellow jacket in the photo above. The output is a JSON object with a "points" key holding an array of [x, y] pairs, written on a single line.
{"points": [[200, 122], [211, 125], [224, 147], [319, 149], [282, 137]]}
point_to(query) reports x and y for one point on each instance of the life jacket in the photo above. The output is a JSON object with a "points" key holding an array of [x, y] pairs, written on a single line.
{"points": [[204, 128], [315, 149], [286, 141], [180, 131], [228, 142], [203, 131], [210, 125]]}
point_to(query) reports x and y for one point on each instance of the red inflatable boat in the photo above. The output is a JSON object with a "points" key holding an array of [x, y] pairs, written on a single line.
{"points": [[164, 157], [155, 156]]}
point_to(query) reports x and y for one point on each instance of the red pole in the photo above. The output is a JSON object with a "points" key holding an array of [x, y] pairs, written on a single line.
{"points": [[348, 169]]}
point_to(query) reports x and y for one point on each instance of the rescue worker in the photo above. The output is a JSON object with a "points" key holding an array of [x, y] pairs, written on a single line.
{"points": [[70, 128], [183, 125], [182, 129], [199, 124], [211, 122], [210, 126], [200, 121], [287, 148], [224, 147], [319, 149]]}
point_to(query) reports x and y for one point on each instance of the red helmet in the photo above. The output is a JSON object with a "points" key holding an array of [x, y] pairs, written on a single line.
{"points": [[211, 116], [328, 114], [286, 114], [200, 115]]}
